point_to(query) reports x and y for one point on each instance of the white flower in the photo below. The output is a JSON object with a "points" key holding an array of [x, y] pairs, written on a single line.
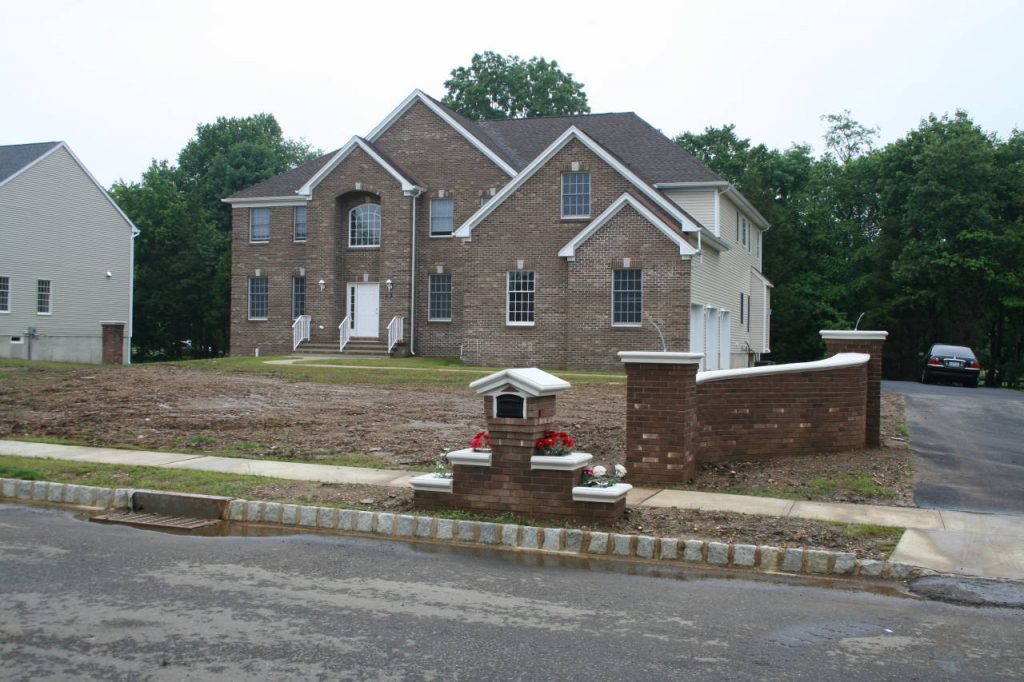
{"points": [[600, 471], [620, 470]]}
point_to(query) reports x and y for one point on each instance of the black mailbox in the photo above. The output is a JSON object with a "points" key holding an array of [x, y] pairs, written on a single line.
{"points": [[510, 405]]}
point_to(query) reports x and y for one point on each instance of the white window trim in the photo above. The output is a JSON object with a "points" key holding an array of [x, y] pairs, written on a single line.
{"points": [[259, 241], [430, 294], [561, 196], [628, 325], [508, 300], [430, 219], [248, 301], [348, 228], [20, 340], [294, 223], [10, 295], [49, 300]]}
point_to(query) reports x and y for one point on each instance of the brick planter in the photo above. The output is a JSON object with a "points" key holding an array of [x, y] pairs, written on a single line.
{"points": [[519, 407]]}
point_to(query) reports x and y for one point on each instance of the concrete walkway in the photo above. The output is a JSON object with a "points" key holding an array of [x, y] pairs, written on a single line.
{"points": [[966, 543]]}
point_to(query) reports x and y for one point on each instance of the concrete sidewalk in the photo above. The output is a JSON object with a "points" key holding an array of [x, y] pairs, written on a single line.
{"points": [[966, 543]]}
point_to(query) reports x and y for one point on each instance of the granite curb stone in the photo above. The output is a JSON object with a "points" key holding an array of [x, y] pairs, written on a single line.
{"points": [[569, 541]]}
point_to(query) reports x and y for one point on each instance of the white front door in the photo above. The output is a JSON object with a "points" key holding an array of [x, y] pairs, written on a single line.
{"points": [[364, 308]]}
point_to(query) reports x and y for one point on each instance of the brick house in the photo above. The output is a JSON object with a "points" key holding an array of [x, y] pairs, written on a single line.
{"points": [[553, 241]]}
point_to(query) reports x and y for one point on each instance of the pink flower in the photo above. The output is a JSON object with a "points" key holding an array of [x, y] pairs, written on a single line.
{"points": [[600, 471]]}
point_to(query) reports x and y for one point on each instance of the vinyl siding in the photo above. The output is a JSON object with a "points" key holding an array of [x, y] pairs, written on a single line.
{"points": [[718, 278], [56, 224], [699, 203]]}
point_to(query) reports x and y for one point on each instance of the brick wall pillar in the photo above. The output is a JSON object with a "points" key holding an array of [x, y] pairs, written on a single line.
{"points": [[869, 343], [113, 343], [661, 416]]}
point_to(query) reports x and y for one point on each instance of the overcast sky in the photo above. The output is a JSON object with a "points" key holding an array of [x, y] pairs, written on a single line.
{"points": [[126, 82]]}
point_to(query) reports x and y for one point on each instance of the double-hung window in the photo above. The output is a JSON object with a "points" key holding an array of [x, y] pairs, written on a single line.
{"points": [[439, 303], [44, 296], [298, 296], [576, 195], [442, 216], [299, 224], [520, 304], [258, 298], [627, 297], [364, 226], [259, 224], [5, 294]]}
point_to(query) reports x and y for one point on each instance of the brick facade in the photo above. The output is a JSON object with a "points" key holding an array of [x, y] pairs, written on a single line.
{"points": [[573, 300], [869, 343], [113, 343]]}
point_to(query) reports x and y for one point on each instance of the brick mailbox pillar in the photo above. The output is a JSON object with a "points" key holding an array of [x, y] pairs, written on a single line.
{"points": [[661, 416], [870, 343], [519, 406]]}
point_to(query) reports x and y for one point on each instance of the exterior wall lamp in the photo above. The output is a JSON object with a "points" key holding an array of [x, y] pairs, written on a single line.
{"points": [[390, 285], [323, 285]]}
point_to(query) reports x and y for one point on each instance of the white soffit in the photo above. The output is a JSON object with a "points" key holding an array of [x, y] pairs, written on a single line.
{"points": [[529, 380], [569, 250]]}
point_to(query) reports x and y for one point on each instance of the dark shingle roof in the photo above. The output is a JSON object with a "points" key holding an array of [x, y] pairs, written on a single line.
{"points": [[287, 183], [638, 144], [14, 157]]}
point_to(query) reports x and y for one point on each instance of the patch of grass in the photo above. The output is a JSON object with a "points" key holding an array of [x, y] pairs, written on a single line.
{"points": [[24, 473], [815, 489], [885, 538], [201, 439], [46, 364], [426, 372]]}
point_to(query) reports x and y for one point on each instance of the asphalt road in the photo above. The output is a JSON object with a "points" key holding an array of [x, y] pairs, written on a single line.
{"points": [[85, 601], [968, 446]]}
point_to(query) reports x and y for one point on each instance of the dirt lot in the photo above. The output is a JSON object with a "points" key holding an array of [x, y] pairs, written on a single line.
{"points": [[253, 415]]}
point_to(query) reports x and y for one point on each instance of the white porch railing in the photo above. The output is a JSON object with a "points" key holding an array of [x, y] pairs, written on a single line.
{"points": [[345, 331], [396, 332], [300, 330]]}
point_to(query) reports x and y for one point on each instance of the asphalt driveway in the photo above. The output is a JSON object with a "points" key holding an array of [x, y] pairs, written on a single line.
{"points": [[968, 446]]}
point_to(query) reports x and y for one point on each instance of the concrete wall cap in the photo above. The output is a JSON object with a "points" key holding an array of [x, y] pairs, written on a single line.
{"points": [[659, 358], [853, 335], [837, 361]]}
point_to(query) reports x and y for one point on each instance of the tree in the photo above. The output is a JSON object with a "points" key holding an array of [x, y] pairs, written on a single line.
{"points": [[183, 254], [846, 138], [494, 86]]}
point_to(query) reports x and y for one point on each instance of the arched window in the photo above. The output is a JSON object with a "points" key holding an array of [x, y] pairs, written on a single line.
{"points": [[364, 225]]}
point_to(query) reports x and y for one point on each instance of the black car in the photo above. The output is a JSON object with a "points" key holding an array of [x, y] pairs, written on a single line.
{"points": [[950, 363]]}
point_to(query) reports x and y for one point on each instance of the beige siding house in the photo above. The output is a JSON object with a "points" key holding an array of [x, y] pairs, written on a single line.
{"points": [[66, 263], [730, 303]]}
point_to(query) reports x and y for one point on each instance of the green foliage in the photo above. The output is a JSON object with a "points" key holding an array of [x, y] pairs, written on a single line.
{"points": [[182, 256], [925, 237], [494, 86]]}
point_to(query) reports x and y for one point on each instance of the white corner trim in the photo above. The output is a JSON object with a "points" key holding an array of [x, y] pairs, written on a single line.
{"points": [[570, 462], [853, 335], [419, 96], [569, 250], [431, 483], [356, 141], [468, 457], [609, 495], [528, 380], [686, 223], [659, 358], [838, 361]]}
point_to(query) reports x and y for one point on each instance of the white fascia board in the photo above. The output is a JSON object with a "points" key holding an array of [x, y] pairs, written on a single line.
{"points": [[704, 184], [714, 241], [64, 145], [260, 202], [686, 223], [747, 207], [569, 250], [764, 280], [838, 361], [419, 96], [350, 146]]}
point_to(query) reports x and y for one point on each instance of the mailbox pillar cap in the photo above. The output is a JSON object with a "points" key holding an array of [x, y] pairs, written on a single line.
{"points": [[529, 381]]}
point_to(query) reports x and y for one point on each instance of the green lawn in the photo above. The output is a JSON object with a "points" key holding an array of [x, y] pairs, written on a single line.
{"points": [[815, 489]]}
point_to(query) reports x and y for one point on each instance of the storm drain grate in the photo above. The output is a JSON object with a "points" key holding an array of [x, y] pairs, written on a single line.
{"points": [[145, 519]]}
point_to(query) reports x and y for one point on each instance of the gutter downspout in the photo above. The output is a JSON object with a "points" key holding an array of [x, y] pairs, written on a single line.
{"points": [[413, 194], [131, 295]]}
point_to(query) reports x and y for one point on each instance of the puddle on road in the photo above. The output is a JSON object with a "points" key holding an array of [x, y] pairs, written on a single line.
{"points": [[604, 564]]}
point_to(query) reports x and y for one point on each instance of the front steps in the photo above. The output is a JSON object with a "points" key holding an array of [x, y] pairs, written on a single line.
{"points": [[364, 348]]}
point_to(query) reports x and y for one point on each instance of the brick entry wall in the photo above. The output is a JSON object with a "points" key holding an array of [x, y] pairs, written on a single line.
{"points": [[676, 419]]}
